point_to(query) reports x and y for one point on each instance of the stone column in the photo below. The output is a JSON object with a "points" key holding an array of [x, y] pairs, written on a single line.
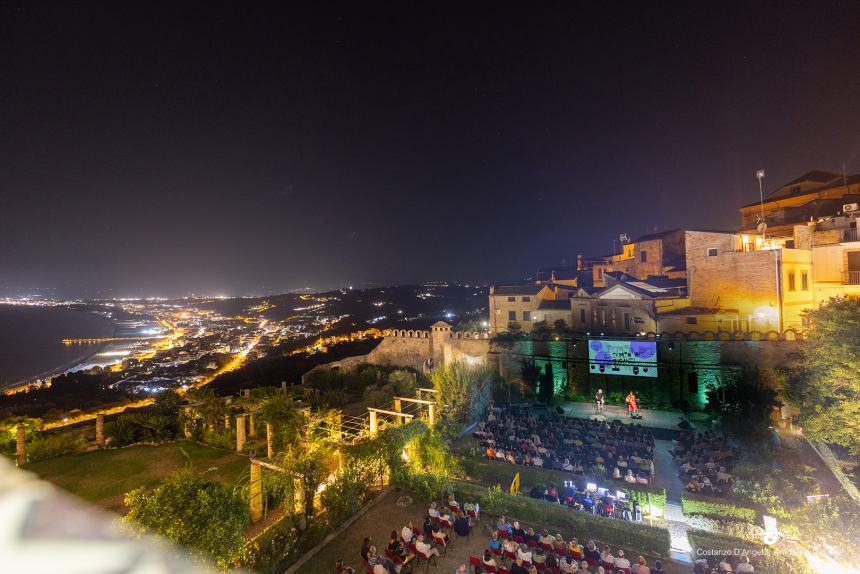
{"points": [[398, 407], [240, 432], [252, 430], [431, 412], [21, 445], [284, 387], [299, 500], [255, 493], [186, 427], [373, 426], [270, 450], [100, 430]]}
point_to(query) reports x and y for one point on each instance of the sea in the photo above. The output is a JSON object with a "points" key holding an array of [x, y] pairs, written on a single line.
{"points": [[31, 340]]}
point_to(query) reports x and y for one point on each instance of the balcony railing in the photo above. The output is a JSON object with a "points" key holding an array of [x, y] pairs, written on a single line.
{"points": [[849, 235], [851, 277]]}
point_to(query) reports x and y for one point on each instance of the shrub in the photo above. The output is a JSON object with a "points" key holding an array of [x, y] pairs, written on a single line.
{"points": [[345, 495], [692, 504], [745, 530], [189, 509], [52, 446]]}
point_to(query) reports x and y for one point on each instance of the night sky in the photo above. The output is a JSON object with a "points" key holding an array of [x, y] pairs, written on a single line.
{"points": [[154, 148]]}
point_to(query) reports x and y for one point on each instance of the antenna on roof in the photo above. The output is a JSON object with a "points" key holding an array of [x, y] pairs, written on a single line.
{"points": [[759, 175]]}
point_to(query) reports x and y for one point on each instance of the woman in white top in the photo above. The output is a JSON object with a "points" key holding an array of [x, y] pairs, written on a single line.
{"points": [[524, 553]]}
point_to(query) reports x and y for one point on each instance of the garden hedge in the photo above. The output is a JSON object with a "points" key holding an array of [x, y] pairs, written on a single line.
{"points": [[630, 535], [692, 504], [763, 558]]}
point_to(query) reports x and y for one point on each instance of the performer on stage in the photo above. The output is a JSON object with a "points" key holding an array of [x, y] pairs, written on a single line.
{"points": [[599, 399], [632, 405]]}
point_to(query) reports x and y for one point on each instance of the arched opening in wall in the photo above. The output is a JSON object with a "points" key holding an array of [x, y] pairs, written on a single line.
{"points": [[772, 336], [790, 335], [724, 335], [650, 335], [740, 335], [693, 336], [708, 335], [403, 333], [755, 336], [411, 333]]}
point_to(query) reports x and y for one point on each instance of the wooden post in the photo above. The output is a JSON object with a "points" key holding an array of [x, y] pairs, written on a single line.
{"points": [[399, 408], [240, 432], [21, 445], [431, 412], [255, 494], [373, 422], [100, 430], [252, 430], [270, 451]]}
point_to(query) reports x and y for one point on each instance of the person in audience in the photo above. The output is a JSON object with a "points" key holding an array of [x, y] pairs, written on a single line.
{"points": [[658, 568], [427, 527], [396, 546], [494, 543], [433, 511], [559, 545], [472, 507], [533, 569], [575, 548], [744, 564], [488, 559], [629, 477], [365, 548], [621, 561], [641, 566], [518, 568], [583, 567], [606, 555], [502, 524], [530, 535], [517, 531], [546, 538], [406, 533], [566, 465], [591, 552], [510, 546], [539, 556], [425, 548], [439, 535], [380, 564], [462, 526], [616, 473], [452, 502], [491, 452], [524, 554], [461, 569], [725, 565]]}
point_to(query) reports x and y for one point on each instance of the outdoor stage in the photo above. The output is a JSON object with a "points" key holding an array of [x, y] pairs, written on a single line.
{"points": [[653, 419]]}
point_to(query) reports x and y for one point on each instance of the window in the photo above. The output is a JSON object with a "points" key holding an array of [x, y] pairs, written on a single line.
{"points": [[582, 314], [713, 252], [511, 299], [527, 315], [804, 281], [789, 243], [627, 318], [512, 315], [791, 285], [643, 256], [526, 299], [600, 272], [692, 320]]}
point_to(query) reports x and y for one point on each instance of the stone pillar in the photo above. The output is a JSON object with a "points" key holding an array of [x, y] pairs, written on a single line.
{"points": [[255, 493], [373, 422], [338, 426], [100, 430], [21, 445], [398, 407], [240, 432], [298, 497], [270, 450], [284, 387], [252, 430], [431, 412], [186, 427]]}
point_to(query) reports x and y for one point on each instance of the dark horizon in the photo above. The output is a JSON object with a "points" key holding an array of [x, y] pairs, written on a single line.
{"points": [[163, 149]]}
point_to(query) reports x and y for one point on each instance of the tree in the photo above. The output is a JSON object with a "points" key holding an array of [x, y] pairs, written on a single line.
{"points": [[744, 405], [194, 511], [530, 373], [280, 412], [463, 392], [547, 389], [826, 388], [309, 463]]}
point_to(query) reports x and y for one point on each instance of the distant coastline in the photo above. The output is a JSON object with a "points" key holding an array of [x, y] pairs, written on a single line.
{"points": [[30, 341]]}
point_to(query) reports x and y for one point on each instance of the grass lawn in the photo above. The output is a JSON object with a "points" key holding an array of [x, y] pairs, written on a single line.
{"points": [[103, 477]]}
